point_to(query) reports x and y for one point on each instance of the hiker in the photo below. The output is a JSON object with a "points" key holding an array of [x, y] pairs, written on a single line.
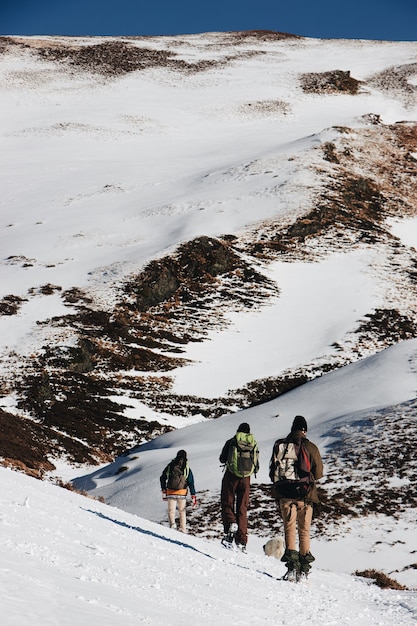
{"points": [[175, 481], [240, 455], [296, 507]]}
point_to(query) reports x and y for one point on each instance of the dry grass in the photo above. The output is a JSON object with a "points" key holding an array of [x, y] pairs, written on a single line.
{"points": [[380, 579]]}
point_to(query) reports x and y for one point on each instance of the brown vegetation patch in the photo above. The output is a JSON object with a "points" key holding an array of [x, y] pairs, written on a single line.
{"points": [[111, 58], [380, 579], [78, 407], [76, 296], [191, 271], [396, 79], [356, 203], [388, 324], [266, 389], [336, 81], [259, 35], [10, 305], [24, 444]]}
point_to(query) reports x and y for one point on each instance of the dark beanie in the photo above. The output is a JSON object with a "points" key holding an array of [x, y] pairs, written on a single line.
{"points": [[181, 454], [244, 428], [299, 423]]}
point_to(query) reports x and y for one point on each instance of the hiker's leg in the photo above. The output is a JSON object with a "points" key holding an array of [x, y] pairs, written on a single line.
{"points": [[304, 515], [172, 503], [289, 517], [229, 485], [242, 505], [181, 511]]}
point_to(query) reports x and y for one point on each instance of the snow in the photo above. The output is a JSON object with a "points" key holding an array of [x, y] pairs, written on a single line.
{"points": [[67, 560], [236, 356], [99, 178], [405, 230]]}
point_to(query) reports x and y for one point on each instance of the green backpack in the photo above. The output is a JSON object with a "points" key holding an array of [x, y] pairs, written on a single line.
{"points": [[243, 455]]}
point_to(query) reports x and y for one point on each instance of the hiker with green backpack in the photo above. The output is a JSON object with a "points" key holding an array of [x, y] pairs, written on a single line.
{"points": [[240, 455], [175, 480]]}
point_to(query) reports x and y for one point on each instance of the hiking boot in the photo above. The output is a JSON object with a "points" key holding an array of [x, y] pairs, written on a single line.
{"points": [[291, 560], [241, 547], [305, 561], [227, 540], [289, 555], [229, 537]]}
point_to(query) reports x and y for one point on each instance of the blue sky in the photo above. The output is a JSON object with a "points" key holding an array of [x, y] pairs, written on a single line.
{"points": [[356, 19]]}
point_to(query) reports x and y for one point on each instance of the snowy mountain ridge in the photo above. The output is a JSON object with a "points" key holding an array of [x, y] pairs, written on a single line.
{"points": [[248, 172], [193, 227]]}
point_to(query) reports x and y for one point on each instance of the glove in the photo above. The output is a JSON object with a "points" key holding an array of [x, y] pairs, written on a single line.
{"points": [[194, 500], [164, 494]]}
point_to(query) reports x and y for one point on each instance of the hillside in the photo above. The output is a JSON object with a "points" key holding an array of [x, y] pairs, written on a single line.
{"points": [[158, 192], [201, 225]]}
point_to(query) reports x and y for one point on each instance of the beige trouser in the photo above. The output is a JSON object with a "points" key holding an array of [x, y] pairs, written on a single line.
{"points": [[172, 504], [296, 514]]}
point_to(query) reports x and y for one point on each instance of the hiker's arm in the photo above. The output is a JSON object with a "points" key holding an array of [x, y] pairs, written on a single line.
{"points": [[225, 452], [190, 483], [318, 465], [272, 465], [163, 479]]}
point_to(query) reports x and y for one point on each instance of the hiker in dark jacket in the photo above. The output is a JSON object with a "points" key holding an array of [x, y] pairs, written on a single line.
{"points": [[235, 493], [297, 513], [175, 480]]}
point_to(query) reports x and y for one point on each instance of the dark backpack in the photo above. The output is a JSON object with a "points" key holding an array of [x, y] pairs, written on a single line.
{"points": [[242, 459], [177, 476], [290, 469]]}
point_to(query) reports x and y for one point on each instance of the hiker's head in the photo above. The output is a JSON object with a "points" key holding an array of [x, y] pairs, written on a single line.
{"points": [[181, 454], [244, 428], [299, 423]]}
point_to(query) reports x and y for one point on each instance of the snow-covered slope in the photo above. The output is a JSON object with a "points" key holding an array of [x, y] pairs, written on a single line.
{"points": [[336, 405], [67, 560], [195, 225], [243, 135]]}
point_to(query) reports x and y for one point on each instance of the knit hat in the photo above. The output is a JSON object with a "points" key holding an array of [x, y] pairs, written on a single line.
{"points": [[244, 428], [181, 454], [299, 423]]}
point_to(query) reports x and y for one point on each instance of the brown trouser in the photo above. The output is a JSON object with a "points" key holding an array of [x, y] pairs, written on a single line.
{"points": [[296, 514], [235, 504]]}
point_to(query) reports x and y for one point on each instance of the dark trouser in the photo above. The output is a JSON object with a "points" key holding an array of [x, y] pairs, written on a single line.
{"points": [[235, 504]]}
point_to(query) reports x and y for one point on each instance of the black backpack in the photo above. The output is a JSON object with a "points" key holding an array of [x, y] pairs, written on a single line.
{"points": [[177, 475], [290, 469]]}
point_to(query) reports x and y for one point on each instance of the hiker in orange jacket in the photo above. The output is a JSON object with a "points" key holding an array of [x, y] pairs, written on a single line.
{"points": [[175, 480]]}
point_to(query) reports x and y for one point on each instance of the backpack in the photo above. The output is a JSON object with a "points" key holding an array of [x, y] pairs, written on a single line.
{"points": [[177, 476], [290, 469], [243, 454]]}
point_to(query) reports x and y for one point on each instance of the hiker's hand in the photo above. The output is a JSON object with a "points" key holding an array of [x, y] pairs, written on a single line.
{"points": [[194, 500], [164, 494]]}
